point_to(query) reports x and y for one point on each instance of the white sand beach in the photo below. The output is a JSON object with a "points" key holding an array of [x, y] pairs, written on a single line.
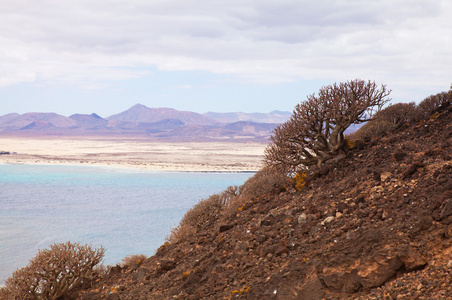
{"points": [[134, 153]]}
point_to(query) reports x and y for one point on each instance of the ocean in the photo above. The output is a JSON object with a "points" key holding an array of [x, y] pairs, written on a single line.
{"points": [[126, 211]]}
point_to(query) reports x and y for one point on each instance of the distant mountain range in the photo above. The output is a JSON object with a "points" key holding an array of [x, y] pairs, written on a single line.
{"points": [[161, 123]]}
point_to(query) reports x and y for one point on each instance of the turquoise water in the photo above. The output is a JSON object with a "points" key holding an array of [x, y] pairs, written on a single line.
{"points": [[126, 211]]}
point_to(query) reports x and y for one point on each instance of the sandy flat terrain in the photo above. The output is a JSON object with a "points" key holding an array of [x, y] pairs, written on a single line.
{"points": [[137, 153]]}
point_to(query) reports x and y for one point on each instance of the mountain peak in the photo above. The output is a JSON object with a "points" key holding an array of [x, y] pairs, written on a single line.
{"points": [[140, 106], [143, 114]]}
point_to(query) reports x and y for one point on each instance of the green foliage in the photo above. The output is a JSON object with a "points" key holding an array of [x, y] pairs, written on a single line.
{"points": [[53, 272]]}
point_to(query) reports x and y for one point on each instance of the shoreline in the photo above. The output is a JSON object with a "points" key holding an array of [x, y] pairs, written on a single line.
{"points": [[137, 154], [125, 167]]}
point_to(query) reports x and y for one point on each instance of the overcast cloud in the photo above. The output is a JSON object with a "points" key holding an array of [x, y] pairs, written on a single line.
{"points": [[403, 43]]}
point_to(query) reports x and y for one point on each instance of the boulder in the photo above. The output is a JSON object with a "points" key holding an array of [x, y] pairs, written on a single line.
{"points": [[302, 218], [447, 209], [381, 266], [411, 259]]}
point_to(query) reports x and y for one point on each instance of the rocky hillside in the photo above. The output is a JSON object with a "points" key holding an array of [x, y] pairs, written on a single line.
{"points": [[376, 224]]}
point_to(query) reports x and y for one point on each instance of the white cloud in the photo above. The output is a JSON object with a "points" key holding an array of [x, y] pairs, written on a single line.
{"points": [[398, 42]]}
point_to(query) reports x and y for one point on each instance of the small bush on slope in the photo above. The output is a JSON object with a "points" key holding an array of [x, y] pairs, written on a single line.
{"points": [[53, 272], [388, 120], [428, 106], [133, 260], [204, 211]]}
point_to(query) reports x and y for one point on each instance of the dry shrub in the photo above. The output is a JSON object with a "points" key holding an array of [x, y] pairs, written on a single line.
{"points": [[314, 134], [101, 269], [388, 120], [204, 211], [266, 181], [133, 260], [429, 105], [53, 272], [372, 130], [178, 233], [400, 113]]}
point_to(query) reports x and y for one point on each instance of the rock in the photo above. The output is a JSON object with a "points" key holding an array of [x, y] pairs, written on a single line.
{"points": [[410, 170], [139, 274], [449, 264], [302, 218], [226, 227], [399, 155], [376, 175], [241, 246], [447, 209], [260, 238], [424, 223], [268, 221], [341, 280], [324, 170], [327, 220], [412, 259], [275, 249], [385, 176], [360, 199], [167, 265], [114, 270], [382, 266], [442, 178], [448, 231], [312, 289]]}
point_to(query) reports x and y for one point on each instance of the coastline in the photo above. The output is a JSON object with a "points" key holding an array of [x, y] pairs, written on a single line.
{"points": [[141, 154]]}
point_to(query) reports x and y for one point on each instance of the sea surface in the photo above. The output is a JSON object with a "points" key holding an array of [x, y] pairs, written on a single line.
{"points": [[126, 211]]}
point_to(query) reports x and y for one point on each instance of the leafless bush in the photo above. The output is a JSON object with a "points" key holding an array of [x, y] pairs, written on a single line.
{"points": [[204, 211], [268, 180], [179, 232], [133, 260], [53, 272], [399, 113], [388, 120], [101, 269], [315, 132], [430, 104]]}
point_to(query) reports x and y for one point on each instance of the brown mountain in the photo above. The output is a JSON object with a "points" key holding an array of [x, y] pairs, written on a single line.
{"points": [[160, 123], [375, 224], [143, 114], [16, 121], [39, 125], [237, 130], [92, 121], [232, 117], [8, 118]]}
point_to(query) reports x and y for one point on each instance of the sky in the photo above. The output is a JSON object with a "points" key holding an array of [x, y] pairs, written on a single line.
{"points": [[104, 56]]}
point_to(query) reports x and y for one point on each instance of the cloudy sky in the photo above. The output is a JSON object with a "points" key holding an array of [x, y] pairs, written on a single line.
{"points": [[84, 56]]}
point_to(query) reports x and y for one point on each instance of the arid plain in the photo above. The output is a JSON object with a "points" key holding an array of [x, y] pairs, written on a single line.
{"points": [[138, 153]]}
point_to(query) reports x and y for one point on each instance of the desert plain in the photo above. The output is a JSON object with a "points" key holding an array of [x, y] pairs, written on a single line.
{"points": [[138, 153]]}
